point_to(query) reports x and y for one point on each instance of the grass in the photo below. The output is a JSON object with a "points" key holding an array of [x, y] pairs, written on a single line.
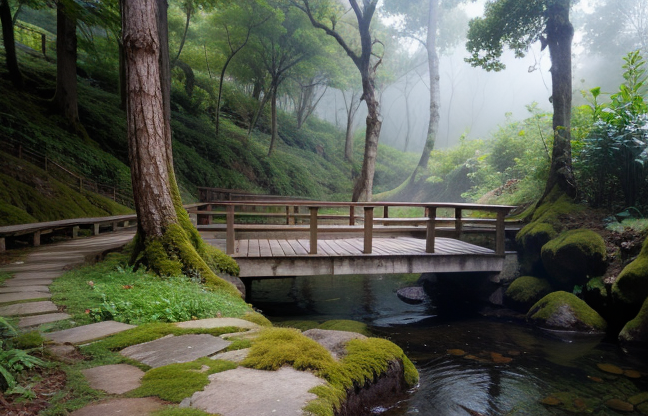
{"points": [[638, 225], [110, 290]]}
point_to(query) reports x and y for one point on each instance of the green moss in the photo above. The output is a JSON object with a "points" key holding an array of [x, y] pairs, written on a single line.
{"points": [[536, 234], [175, 382], [26, 340], [184, 411], [301, 325], [545, 311], [346, 325], [527, 290], [636, 330], [574, 256], [257, 318], [631, 286], [366, 360]]}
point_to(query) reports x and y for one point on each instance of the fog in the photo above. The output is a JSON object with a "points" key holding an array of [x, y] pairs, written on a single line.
{"points": [[473, 101]]}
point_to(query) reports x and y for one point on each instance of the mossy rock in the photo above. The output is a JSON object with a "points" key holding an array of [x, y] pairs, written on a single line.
{"points": [[574, 256], [525, 291], [631, 286], [530, 240], [565, 312], [346, 325], [636, 331]]}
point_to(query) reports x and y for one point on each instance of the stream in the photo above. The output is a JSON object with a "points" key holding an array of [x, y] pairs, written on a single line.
{"points": [[468, 364]]}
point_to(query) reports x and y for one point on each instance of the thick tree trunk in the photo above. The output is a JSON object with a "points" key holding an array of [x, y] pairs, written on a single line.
{"points": [[66, 97], [560, 33], [123, 95], [147, 129], [10, 44]]}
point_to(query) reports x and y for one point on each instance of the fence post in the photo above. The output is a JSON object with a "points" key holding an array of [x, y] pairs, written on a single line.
{"points": [[500, 232], [313, 229], [458, 223], [431, 230], [230, 236], [368, 229]]}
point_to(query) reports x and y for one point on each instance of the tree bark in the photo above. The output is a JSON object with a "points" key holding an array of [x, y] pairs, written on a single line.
{"points": [[435, 95], [274, 125], [10, 45], [351, 108], [560, 33], [66, 97]]}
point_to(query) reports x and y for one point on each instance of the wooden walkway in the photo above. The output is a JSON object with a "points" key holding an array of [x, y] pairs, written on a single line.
{"points": [[265, 258]]}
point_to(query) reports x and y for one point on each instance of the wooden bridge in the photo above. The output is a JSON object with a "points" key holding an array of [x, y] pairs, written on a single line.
{"points": [[327, 239]]}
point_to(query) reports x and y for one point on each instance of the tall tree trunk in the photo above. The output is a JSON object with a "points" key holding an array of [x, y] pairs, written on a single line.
{"points": [[10, 44], [66, 97], [274, 125], [166, 241], [560, 33], [351, 108], [363, 189], [435, 96], [122, 77]]}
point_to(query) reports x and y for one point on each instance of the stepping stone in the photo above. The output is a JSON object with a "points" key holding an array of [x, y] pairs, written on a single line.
{"points": [[27, 282], [114, 379], [236, 356], [282, 392], [334, 341], [16, 289], [121, 407], [218, 323], [36, 267], [29, 308], [87, 333], [15, 297], [51, 274], [171, 349], [42, 319]]}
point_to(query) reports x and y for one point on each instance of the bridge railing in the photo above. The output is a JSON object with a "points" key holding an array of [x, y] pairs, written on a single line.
{"points": [[372, 224]]}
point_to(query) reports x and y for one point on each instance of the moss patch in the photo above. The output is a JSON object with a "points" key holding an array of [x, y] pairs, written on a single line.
{"points": [[574, 256], [636, 331], [257, 318], [177, 411], [631, 286], [564, 311], [175, 382], [27, 340], [365, 361], [346, 325], [526, 291]]}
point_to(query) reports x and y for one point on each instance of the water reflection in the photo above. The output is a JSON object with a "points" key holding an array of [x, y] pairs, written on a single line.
{"points": [[535, 364]]}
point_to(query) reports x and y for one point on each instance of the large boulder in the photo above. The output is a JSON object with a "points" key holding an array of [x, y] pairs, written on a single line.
{"points": [[574, 256], [636, 331], [565, 312], [531, 238], [631, 286], [525, 291]]}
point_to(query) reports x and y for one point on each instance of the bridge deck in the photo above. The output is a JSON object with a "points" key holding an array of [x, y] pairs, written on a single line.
{"points": [[259, 258]]}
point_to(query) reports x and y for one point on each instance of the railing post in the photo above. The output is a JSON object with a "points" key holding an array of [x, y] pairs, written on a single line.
{"points": [[75, 231], [287, 214], [458, 224], [37, 236], [209, 216], [368, 229], [3, 245], [229, 234], [431, 230], [95, 228], [313, 229], [351, 215], [386, 212], [500, 233]]}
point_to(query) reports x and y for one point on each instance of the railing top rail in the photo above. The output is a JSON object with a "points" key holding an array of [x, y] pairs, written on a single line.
{"points": [[328, 204]]}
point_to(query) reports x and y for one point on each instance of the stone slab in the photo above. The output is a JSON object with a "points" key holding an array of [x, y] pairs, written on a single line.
{"points": [[51, 274], [27, 282], [87, 333], [29, 308], [282, 392], [42, 319], [333, 341], [18, 296], [35, 267], [172, 349], [218, 323], [121, 407], [236, 356], [16, 289], [114, 379]]}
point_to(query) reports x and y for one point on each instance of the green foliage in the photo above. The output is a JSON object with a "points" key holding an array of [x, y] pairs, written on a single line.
{"points": [[111, 290], [175, 382], [615, 151], [13, 359]]}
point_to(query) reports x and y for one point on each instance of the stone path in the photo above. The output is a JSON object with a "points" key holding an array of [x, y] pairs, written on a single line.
{"points": [[25, 295], [26, 292]]}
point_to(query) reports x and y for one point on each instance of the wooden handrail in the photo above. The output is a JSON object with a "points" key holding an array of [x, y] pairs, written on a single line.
{"points": [[431, 209]]}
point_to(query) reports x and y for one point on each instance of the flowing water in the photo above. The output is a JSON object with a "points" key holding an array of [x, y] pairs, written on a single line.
{"points": [[500, 366]]}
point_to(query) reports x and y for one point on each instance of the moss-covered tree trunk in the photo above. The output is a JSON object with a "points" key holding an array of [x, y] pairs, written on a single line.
{"points": [[559, 35], [10, 44], [166, 241]]}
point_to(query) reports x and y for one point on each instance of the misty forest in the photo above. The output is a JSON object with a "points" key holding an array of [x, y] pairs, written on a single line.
{"points": [[324, 207]]}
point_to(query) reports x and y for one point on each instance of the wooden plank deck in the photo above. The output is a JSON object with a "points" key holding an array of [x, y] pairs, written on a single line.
{"points": [[264, 258]]}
